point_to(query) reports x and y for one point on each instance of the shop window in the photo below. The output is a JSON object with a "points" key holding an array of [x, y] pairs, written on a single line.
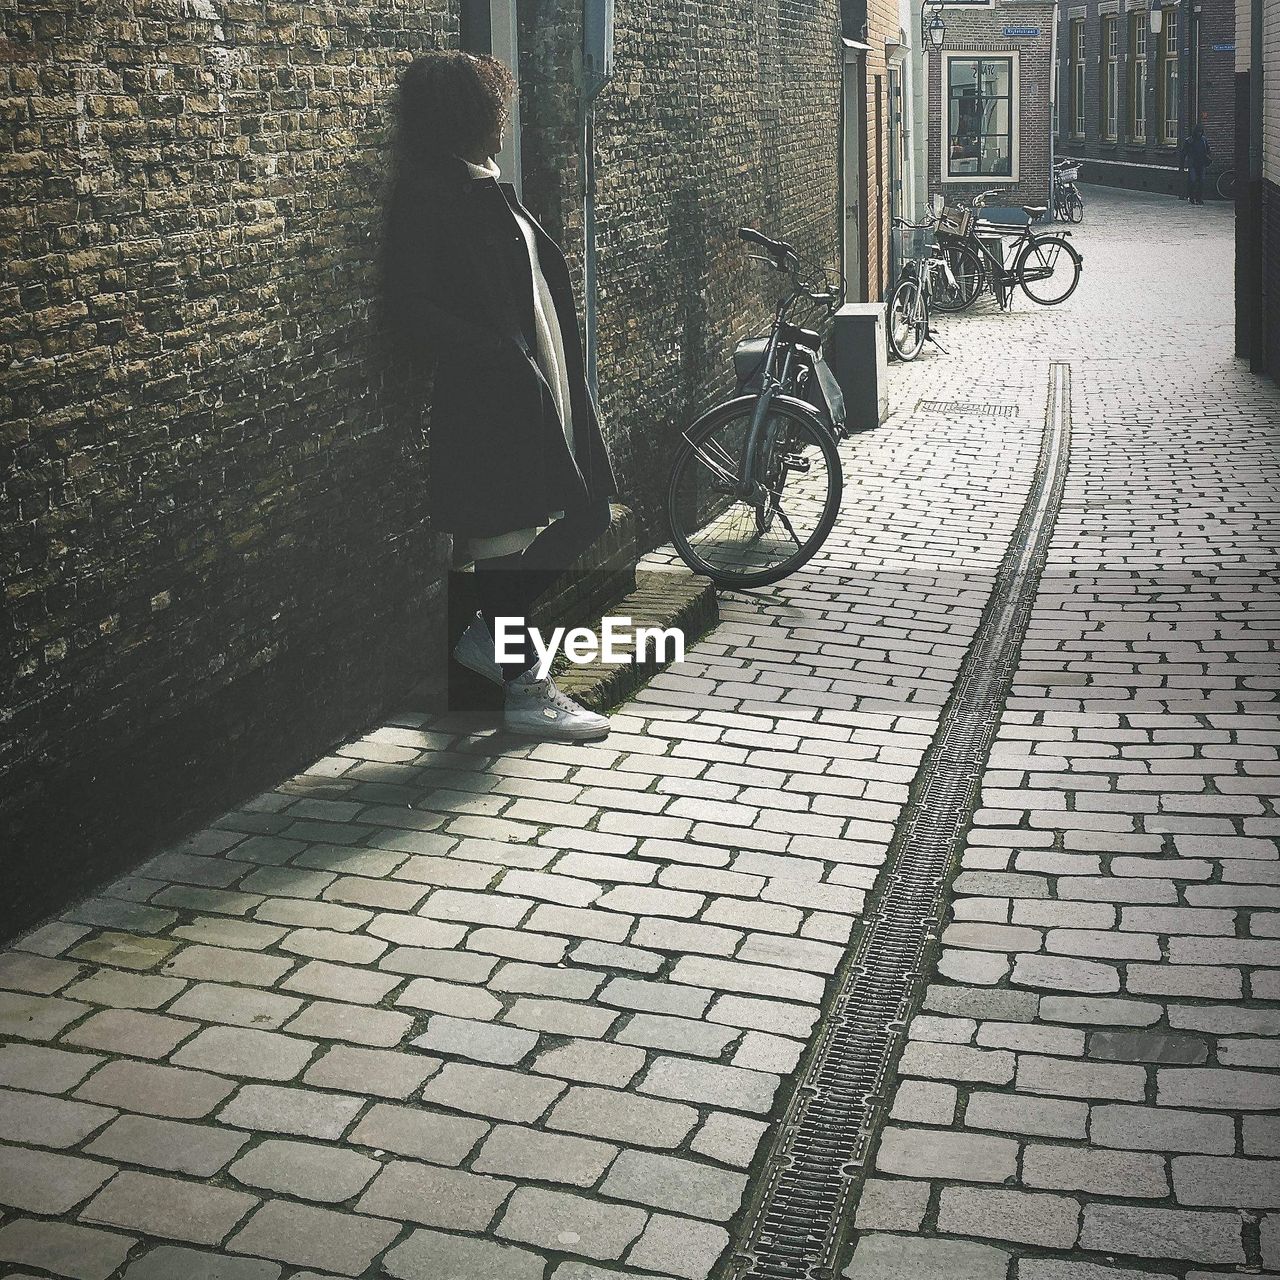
{"points": [[981, 111]]}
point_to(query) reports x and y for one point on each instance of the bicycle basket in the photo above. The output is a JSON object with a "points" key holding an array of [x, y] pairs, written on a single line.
{"points": [[955, 221], [913, 242], [1069, 175]]}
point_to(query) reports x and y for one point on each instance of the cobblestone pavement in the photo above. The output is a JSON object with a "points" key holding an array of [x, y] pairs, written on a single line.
{"points": [[1087, 1087], [451, 1007]]}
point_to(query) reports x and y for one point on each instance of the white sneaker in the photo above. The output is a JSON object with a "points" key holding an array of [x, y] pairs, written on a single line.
{"points": [[538, 709], [475, 651]]}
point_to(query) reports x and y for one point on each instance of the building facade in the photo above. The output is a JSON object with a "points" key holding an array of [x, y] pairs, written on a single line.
{"points": [[989, 102], [876, 75], [1133, 76], [1257, 190]]}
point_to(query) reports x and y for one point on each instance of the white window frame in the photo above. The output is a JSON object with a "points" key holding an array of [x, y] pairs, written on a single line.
{"points": [[1138, 20], [1166, 62], [1075, 34], [1013, 57], [1110, 78]]}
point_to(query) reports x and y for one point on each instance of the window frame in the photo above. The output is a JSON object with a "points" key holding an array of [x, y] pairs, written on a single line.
{"points": [[1013, 58], [1137, 78], [1075, 72], [1109, 80], [1167, 86]]}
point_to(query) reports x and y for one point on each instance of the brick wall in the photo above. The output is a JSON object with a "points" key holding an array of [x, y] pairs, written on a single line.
{"points": [[882, 24], [211, 494], [1270, 72], [216, 558], [982, 31], [1151, 165], [720, 115], [1217, 76]]}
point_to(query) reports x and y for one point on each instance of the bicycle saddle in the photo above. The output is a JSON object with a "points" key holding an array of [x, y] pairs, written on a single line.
{"points": [[1034, 210]]}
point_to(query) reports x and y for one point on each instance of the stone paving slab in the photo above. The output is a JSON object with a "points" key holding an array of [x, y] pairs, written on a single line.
{"points": [[452, 1005], [1104, 1002]]}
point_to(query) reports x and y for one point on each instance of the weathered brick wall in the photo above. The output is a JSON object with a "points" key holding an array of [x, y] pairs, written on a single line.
{"points": [[982, 31], [1270, 209], [1217, 76], [882, 24], [216, 556], [720, 114], [211, 475]]}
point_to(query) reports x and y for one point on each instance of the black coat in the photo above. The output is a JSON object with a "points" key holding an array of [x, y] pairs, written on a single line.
{"points": [[460, 287]]}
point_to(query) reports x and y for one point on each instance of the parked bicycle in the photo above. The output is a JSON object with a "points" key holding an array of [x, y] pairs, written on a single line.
{"points": [[756, 484], [1045, 266], [1068, 205], [1225, 184], [925, 274]]}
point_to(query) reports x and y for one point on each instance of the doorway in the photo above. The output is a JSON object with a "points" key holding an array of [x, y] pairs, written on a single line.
{"points": [[853, 172]]}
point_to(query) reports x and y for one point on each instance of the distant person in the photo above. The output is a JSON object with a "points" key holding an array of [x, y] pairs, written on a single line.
{"points": [[1195, 160], [519, 473]]}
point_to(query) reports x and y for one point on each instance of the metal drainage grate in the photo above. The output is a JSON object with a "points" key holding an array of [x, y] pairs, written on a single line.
{"points": [[799, 1215], [969, 407]]}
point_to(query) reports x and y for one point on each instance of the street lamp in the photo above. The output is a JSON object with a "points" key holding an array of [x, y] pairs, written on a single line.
{"points": [[932, 27], [1156, 17]]}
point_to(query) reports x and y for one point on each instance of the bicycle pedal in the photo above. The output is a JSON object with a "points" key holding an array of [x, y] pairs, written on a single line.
{"points": [[793, 463]]}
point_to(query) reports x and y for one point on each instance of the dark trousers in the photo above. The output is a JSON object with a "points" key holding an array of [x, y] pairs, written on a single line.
{"points": [[509, 586], [1195, 185]]}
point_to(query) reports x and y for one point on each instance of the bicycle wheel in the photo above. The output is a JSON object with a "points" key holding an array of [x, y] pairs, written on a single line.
{"points": [[1075, 206], [749, 536], [907, 320], [1226, 184], [967, 270], [1052, 265]]}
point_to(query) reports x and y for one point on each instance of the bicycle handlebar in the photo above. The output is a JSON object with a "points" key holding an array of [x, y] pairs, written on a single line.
{"points": [[779, 249], [981, 198], [785, 258]]}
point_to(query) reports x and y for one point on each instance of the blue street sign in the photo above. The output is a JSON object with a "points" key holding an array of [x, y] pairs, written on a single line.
{"points": [[1223, 48], [1018, 32]]}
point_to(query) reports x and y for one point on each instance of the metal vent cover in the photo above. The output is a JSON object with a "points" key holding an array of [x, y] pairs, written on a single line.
{"points": [[969, 407]]}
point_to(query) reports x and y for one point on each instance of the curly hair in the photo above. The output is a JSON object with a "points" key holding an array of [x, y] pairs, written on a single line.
{"points": [[450, 103]]}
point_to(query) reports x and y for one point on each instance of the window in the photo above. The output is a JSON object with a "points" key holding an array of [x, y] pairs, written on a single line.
{"points": [[1167, 77], [1077, 78], [1138, 77], [980, 116], [1110, 75]]}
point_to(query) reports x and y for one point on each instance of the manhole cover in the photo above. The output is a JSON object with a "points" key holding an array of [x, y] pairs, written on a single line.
{"points": [[968, 406]]}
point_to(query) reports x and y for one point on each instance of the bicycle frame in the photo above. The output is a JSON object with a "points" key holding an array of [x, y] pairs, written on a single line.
{"points": [[773, 382], [770, 386], [1002, 277]]}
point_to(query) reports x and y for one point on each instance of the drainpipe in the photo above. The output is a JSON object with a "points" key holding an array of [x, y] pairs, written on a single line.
{"points": [[1054, 121], [597, 71]]}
